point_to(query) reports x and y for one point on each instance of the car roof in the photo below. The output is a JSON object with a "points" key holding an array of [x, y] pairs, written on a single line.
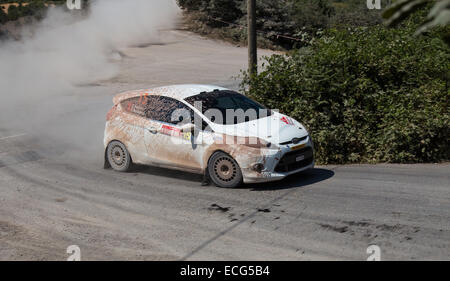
{"points": [[178, 92]]}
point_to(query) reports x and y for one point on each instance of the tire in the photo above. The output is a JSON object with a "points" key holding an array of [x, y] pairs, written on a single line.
{"points": [[118, 156], [224, 171]]}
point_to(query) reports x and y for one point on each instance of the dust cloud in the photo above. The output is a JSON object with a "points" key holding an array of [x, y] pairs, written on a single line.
{"points": [[45, 73]]}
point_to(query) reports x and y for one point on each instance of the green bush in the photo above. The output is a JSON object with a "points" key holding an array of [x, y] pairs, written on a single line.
{"points": [[367, 95]]}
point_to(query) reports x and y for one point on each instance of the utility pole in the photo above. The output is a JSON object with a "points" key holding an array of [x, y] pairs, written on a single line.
{"points": [[252, 44]]}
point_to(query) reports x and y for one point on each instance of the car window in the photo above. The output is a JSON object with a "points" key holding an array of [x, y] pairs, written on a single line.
{"points": [[223, 101], [167, 110], [163, 109], [135, 106]]}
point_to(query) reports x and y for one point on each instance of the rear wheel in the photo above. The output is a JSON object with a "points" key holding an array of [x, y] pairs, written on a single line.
{"points": [[118, 156], [224, 171]]}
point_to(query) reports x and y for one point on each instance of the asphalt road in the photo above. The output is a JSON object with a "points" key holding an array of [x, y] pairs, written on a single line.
{"points": [[54, 192]]}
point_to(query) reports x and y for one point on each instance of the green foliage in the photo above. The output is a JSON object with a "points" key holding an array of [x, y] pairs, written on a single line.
{"points": [[313, 14], [192, 5], [224, 10], [28, 8], [354, 13], [439, 14], [302, 19], [273, 16], [215, 12], [367, 95]]}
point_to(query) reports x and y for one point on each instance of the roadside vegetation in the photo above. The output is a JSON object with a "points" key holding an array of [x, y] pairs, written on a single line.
{"points": [[368, 95], [281, 24], [12, 10]]}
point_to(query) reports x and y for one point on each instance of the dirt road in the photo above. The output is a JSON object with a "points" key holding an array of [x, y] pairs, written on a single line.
{"points": [[54, 192]]}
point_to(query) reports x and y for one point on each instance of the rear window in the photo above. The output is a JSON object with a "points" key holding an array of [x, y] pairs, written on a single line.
{"points": [[134, 106]]}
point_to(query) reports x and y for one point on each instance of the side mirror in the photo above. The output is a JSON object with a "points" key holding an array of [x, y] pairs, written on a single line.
{"points": [[186, 128]]}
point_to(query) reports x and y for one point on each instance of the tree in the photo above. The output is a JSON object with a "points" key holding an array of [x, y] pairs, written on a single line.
{"points": [[224, 10], [191, 5], [312, 14], [439, 14]]}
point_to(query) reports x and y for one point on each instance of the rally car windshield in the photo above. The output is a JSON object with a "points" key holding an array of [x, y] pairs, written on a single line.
{"points": [[233, 107]]}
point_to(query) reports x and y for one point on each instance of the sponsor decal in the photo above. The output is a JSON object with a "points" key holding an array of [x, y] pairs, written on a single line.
{"points": [[187, 136], [170, 131], [287, 120]]}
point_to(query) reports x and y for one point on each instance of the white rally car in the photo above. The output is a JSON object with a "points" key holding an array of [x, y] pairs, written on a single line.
{"points": [[207, 130]]}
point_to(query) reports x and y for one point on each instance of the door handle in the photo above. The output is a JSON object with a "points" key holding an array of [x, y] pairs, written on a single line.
{"points": [[153, 130]]}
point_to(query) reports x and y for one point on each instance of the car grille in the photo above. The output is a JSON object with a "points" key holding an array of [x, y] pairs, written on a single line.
{"points": [[290, 142], [289, 161]]}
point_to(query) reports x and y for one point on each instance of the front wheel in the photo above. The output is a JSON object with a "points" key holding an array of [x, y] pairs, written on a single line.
{"points": [[224, 171], [118, 156]]}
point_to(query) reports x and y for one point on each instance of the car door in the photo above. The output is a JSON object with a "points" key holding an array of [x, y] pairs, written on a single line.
{"points": [[164, 139]]}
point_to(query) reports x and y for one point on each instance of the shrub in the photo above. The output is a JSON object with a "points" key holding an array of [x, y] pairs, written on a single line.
{"points": [[367, 95]]}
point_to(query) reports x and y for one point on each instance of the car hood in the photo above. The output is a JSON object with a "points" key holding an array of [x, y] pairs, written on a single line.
{"points": [[277, 128]]}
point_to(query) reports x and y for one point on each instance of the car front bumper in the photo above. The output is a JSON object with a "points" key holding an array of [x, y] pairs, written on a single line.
{"points": [[278, 164]]}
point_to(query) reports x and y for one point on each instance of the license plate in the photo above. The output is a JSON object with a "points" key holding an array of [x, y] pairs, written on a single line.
{"points": [[298, 146], [300, 158]]}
